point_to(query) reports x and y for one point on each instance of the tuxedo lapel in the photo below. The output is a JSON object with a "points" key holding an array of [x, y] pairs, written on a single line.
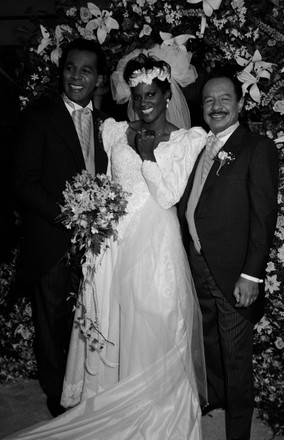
{"points": [[63, 123], [233, 146]]}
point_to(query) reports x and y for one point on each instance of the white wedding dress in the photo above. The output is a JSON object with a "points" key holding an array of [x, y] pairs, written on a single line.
{"points": [[142, 385]]}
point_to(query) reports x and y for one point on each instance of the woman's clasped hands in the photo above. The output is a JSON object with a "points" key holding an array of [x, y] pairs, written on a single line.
{"points": [[145, 143]]}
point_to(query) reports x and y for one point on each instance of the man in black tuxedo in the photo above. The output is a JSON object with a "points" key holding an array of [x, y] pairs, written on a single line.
{"points": [[48, 154], [228, 216]]}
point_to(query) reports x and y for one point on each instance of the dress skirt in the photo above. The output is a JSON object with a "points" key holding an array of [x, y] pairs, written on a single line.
{"points": [[142, 384]]}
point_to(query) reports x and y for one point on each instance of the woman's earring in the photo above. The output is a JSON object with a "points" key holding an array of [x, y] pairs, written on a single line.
{"points": [[167, 105]]}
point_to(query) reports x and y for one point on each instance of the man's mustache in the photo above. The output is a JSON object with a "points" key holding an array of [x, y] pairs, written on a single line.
{"points": [[218, 113]]}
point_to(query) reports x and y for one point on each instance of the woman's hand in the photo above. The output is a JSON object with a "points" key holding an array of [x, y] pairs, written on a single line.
{"points": [[145, 144]]}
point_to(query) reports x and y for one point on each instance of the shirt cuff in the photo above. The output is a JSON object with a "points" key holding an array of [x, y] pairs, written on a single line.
{"points": [[248, 277]]}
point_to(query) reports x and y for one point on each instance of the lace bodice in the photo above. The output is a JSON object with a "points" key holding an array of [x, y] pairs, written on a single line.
{"points": [[165, 179]]}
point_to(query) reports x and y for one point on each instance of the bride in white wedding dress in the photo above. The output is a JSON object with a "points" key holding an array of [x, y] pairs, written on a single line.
{"points": [[147, 382]]}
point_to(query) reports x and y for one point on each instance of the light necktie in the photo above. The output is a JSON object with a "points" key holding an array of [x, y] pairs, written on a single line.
{"points": [[82, 119], [83, 122], [213, 145]]}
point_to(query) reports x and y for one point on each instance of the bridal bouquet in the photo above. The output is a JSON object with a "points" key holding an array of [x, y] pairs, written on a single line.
{"points": [[92, 208]]}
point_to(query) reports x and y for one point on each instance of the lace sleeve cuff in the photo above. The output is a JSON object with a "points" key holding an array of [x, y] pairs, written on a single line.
{"points": [[156, 184], [151, 171]]}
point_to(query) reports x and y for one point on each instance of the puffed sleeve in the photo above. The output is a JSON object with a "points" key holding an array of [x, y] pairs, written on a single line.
{"points": [[167, 177], [109, 132]]}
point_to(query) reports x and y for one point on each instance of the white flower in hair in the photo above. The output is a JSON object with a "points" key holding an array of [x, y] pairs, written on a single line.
{"points": [[147, 75]]}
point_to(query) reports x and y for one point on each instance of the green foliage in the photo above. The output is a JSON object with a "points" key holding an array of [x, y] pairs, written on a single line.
{"points": [[269, 336], [16, 328]]}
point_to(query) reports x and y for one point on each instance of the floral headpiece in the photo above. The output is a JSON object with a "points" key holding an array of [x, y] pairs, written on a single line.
{"points": [[147, 75]]}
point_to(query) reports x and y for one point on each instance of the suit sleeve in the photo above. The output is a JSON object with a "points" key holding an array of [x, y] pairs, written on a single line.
{"points": [[28, 167], [262, 187]]}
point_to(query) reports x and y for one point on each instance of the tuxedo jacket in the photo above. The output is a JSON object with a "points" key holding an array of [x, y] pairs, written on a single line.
{"points": [[47, 155], [236, 214]]}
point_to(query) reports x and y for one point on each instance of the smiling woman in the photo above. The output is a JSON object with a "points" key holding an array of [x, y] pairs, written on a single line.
{"points": [[173, 67], [149, 80]]}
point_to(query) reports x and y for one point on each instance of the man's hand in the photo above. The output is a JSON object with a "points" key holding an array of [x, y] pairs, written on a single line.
{"points": [[245, 292]]}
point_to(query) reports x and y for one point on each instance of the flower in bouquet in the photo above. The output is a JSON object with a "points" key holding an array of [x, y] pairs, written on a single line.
{"points": [[92, 208]]}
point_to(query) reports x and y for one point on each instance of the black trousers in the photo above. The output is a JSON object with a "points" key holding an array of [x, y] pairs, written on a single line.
{"points": [[53, 319], [228, 343]]}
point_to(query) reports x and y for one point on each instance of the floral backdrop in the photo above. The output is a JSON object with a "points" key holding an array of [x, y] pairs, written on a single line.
{"points": [[244, 36]]}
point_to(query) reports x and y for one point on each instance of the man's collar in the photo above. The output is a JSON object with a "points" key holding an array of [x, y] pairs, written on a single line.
{"points": [[226, 133], [73, 105]]}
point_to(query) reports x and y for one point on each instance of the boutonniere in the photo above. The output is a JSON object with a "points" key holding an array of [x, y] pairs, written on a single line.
{"points": [[224, 158]]}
